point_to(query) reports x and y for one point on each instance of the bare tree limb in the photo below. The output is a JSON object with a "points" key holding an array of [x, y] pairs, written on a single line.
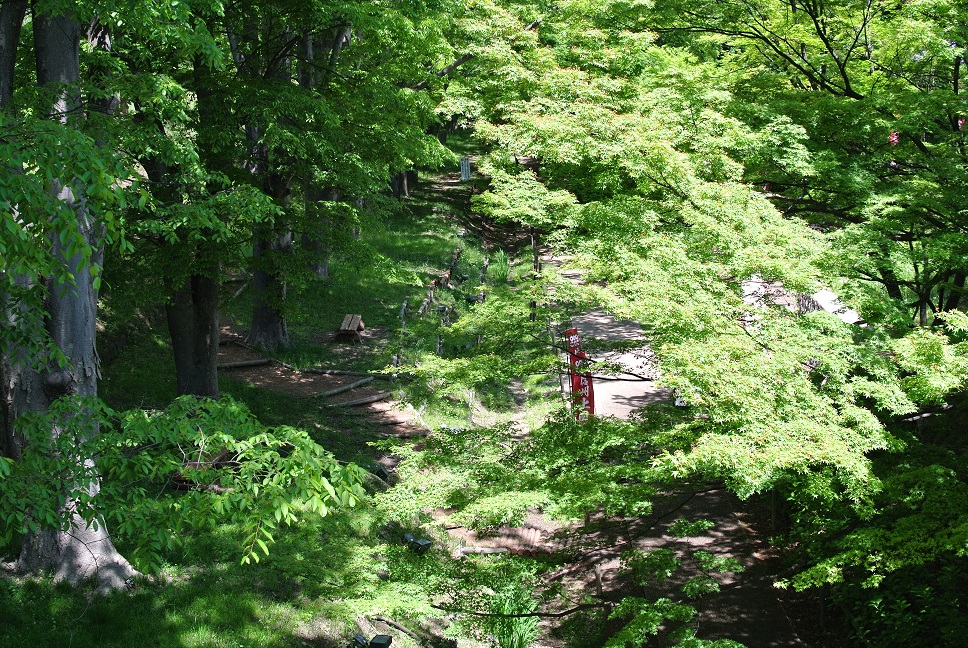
{"points": [[522, 615]]}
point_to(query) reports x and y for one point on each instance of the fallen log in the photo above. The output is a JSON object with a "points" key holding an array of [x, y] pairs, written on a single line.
{"points": [[245, 363], [362, 401], [393, 624], [339, 372], [181, 483], [422, 637], [460, 552], [381, 483], [346, 388], [391, 422]]}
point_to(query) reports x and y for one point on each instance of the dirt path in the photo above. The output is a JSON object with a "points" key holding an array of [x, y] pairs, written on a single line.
{"points": [[747, 608], [621, 394], [331, 389]]}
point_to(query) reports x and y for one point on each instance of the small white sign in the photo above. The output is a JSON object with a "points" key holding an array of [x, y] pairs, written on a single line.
{"points": [[465, 168]]}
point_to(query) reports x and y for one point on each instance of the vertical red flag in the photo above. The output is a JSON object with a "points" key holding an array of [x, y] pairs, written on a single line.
{"points": [[582, 390], [586, 393]]}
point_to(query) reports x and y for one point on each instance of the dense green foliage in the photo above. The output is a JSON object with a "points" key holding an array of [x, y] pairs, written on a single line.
{"points": [[677, 153], [235, 471], [672, 151]]}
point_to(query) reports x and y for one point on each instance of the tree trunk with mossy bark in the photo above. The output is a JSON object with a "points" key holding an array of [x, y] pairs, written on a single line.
{"points": [[79, 551]]}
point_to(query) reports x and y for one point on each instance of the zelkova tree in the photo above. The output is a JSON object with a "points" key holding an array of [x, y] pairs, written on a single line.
{"points": [[262, 44], [192, 218], [56, 197], [321, 217], [323, 98]]}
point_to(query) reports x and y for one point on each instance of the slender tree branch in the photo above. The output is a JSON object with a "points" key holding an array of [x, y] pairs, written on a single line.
{"points": [[522, 615], [461, 60], [445, 71]]}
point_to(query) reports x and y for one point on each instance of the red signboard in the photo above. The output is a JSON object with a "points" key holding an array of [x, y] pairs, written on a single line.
{"points": [[581, 387], [582, 390]]}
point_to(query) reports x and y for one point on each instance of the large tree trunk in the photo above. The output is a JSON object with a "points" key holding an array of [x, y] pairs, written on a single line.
{"points": [[400, 185], [270, 244], [82, 552], [18, 383], [312, 244], [269, 329], [193, 325], [12, 14], [192, 308]]}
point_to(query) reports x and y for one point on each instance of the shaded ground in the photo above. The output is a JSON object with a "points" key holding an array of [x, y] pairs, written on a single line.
{"points": [[747, 608]]}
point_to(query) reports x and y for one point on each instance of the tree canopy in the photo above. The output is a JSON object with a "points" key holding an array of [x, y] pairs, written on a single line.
{"points": [[674, 152]]}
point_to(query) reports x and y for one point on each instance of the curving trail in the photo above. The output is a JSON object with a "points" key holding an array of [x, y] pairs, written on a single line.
{"points": [[747, 608]]}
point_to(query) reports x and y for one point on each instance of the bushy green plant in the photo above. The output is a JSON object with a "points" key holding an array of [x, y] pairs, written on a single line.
{"points": [[499, 268], [513, 631], [923, 605], [227, 467]]}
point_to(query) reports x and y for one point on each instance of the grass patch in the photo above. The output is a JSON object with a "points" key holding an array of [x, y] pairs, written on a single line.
{"points": [[202, 613]]}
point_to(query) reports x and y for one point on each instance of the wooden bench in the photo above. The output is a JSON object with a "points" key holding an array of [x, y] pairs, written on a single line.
{"points": [[352, 326]]}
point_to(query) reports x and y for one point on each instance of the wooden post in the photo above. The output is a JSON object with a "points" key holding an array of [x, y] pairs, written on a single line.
{"points": [[535, 271]]}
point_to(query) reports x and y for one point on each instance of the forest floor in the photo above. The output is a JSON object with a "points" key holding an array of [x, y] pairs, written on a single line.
{"points": [[325, 579], [747, 608]]}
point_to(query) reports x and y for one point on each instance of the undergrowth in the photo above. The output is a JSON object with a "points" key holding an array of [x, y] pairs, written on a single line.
{"points": [[323, 574]]}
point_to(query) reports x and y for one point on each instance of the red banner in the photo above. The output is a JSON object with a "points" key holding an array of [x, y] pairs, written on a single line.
{"points": [[582, 390]]}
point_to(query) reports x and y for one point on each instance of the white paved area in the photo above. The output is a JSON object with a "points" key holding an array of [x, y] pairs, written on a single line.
{"points": [[620, 394]]}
